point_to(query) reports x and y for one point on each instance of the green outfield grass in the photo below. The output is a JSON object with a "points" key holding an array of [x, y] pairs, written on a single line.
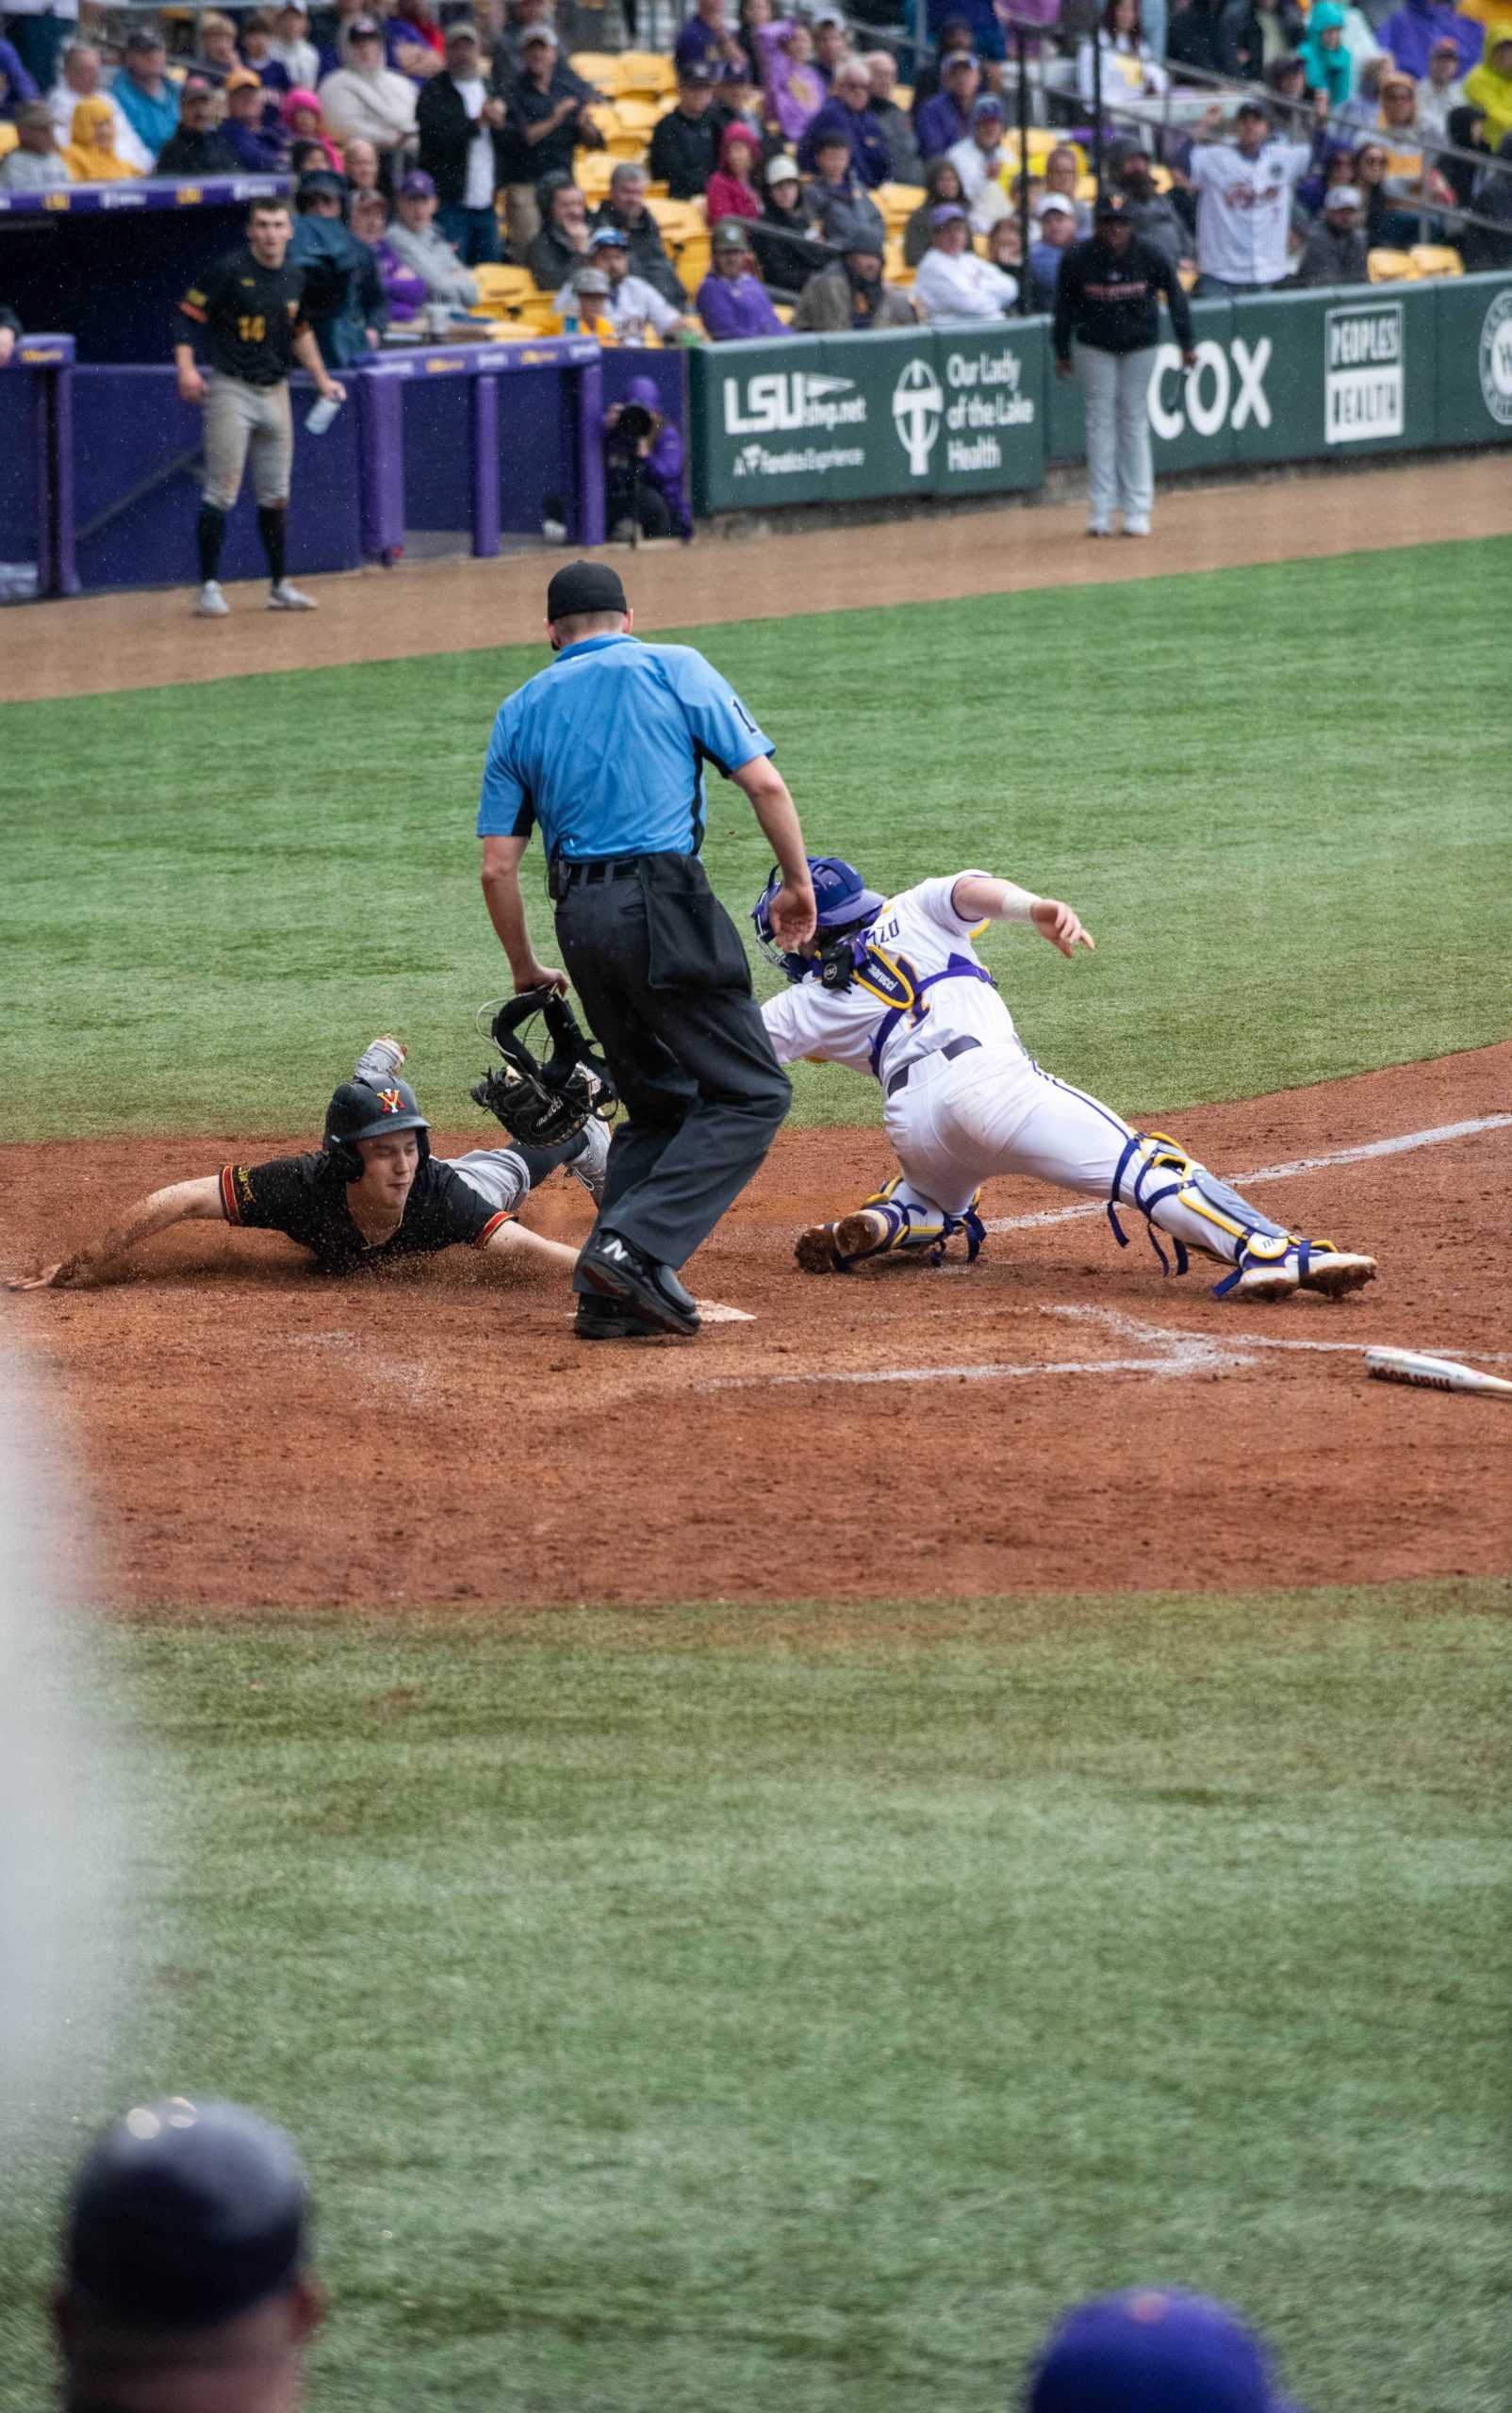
{"points": [[788, 2009], [1278, 795]]}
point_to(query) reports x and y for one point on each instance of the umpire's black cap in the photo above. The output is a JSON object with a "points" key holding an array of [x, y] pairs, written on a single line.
{"points": [[185, 2214], [584, 586]]}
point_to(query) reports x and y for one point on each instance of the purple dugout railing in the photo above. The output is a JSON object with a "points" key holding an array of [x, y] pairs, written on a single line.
{"points": [[465, 437], [37, 462]]}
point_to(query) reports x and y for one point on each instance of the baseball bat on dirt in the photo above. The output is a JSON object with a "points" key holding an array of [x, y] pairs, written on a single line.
{"points": [[1432, 1374]]}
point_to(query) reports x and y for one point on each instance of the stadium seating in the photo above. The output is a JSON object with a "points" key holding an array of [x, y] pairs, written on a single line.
{"points": [[1393, 268], [1436, 259]]}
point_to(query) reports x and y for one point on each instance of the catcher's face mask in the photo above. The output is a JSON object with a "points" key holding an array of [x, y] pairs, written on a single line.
{"points": [[544, 1103], [844, 903]]}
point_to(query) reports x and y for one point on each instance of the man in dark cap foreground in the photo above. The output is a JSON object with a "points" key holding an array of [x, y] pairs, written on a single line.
{"points": [[186, 2286]]}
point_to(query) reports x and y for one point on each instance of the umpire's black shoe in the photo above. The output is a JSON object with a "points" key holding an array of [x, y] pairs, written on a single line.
{"points": [[616, 1269], [616, 1320]]}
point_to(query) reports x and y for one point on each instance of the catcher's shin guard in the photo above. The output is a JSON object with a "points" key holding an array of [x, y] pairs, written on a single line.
{"points": [[1194, 1211], [886, 1225], [1181, 1198]]}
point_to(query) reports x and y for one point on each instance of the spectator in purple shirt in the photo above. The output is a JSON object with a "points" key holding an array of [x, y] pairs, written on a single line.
{"points": [[795, 88], [946, 120], [260, 154], [15, 84], [405, 289], [1409, 35], [706, 41], [848, 113], [732, 302]]}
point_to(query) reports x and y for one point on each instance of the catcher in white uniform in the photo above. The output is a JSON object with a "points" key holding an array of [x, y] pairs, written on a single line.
{"points": [[895, 988]]}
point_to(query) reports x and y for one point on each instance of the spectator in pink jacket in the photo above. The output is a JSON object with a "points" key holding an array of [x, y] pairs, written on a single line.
{"points": [[795, 90], [731, 192], [299, 114]]}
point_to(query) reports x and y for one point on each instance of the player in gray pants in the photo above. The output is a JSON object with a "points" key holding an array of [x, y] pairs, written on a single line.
{"points": [[1108, 295], [247, 313]]}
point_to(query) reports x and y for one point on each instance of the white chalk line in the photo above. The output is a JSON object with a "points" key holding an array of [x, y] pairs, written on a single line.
{"points": [[1176, 1353], [1397, 1147]]}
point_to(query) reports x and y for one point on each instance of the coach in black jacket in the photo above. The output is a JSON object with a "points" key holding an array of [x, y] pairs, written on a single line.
{"points": [[461, 129], [1108, 295]]}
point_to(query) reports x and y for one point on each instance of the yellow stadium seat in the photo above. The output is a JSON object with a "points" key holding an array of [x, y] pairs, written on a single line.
{"points": [[1436, 259], [898, 203], [643, 74], [594, 170], [903, 96], [600, 67], [498, 282], [8, 139], [1393, 268], [640, 117]]}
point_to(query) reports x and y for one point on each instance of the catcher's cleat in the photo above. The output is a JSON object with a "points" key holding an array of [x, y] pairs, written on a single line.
{"points": [[881, 1228], [1303, 1265]]}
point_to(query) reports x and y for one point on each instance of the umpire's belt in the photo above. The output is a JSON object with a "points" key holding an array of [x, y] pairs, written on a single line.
{"points": [[952, 1048], [572, 873]]}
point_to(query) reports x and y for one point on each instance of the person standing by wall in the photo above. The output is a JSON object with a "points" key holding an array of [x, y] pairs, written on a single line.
{"points": [[605, 749], [1108, 295], [249, 312]]}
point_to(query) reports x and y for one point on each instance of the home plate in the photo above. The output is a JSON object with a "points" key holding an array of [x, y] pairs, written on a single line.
{"points": [[709, 1313]]}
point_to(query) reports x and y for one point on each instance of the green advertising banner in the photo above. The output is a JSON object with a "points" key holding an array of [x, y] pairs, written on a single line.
{"points": [[1309, 376], [856, 418], [1474, 402], [1345, 370]]}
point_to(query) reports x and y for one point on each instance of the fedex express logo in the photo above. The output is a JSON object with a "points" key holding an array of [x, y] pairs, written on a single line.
{"points": [[783, 399]]}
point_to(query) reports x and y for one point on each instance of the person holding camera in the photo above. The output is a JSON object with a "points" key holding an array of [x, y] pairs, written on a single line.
{"points": [[643, 469]]}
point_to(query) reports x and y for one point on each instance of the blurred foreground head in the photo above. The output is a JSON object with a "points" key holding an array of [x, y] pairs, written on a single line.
{"points": [[1154, 2349], [185, 2286]]}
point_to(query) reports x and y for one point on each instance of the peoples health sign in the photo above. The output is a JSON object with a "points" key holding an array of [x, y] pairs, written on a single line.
{"points": [[1364, 390], [910, 413]]}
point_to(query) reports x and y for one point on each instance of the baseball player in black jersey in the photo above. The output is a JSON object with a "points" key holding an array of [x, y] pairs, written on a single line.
{"points": [[247, 312], [372, 1193]]}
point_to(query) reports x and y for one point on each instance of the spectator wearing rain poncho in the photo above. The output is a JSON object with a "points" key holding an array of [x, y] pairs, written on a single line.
{"points": [[1489, 88], [1325, 56]]}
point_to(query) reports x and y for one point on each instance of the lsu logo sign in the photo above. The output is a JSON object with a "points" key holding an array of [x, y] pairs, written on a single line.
{"points": [[1362, 367], [782, 401], [1225, 388]]}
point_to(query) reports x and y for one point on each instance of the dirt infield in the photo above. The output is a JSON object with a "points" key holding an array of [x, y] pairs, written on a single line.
{"points": [[101, 644], [1057, 1416]]}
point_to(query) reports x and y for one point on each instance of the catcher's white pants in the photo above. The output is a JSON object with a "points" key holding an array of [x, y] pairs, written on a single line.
{"points": [[957, 1121]]}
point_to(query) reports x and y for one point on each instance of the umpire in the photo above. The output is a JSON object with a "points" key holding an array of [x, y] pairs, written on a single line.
{"points": [[605, 749]]}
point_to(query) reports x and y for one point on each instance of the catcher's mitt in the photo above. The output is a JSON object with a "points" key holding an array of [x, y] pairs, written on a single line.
{"points": [[545, 1104]]}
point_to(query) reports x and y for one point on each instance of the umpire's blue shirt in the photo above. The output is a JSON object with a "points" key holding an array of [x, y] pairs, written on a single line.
{"points": [[606, 749]]}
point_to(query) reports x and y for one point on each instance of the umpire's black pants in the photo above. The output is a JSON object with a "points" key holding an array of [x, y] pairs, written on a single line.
{"points": [[666, 985]]}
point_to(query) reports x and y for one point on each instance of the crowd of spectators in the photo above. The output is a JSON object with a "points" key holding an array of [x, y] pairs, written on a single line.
{"points": [[829, 197]]}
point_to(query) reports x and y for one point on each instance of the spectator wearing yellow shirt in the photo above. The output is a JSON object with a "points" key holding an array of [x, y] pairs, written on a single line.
{"points": [[90, 154]]}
